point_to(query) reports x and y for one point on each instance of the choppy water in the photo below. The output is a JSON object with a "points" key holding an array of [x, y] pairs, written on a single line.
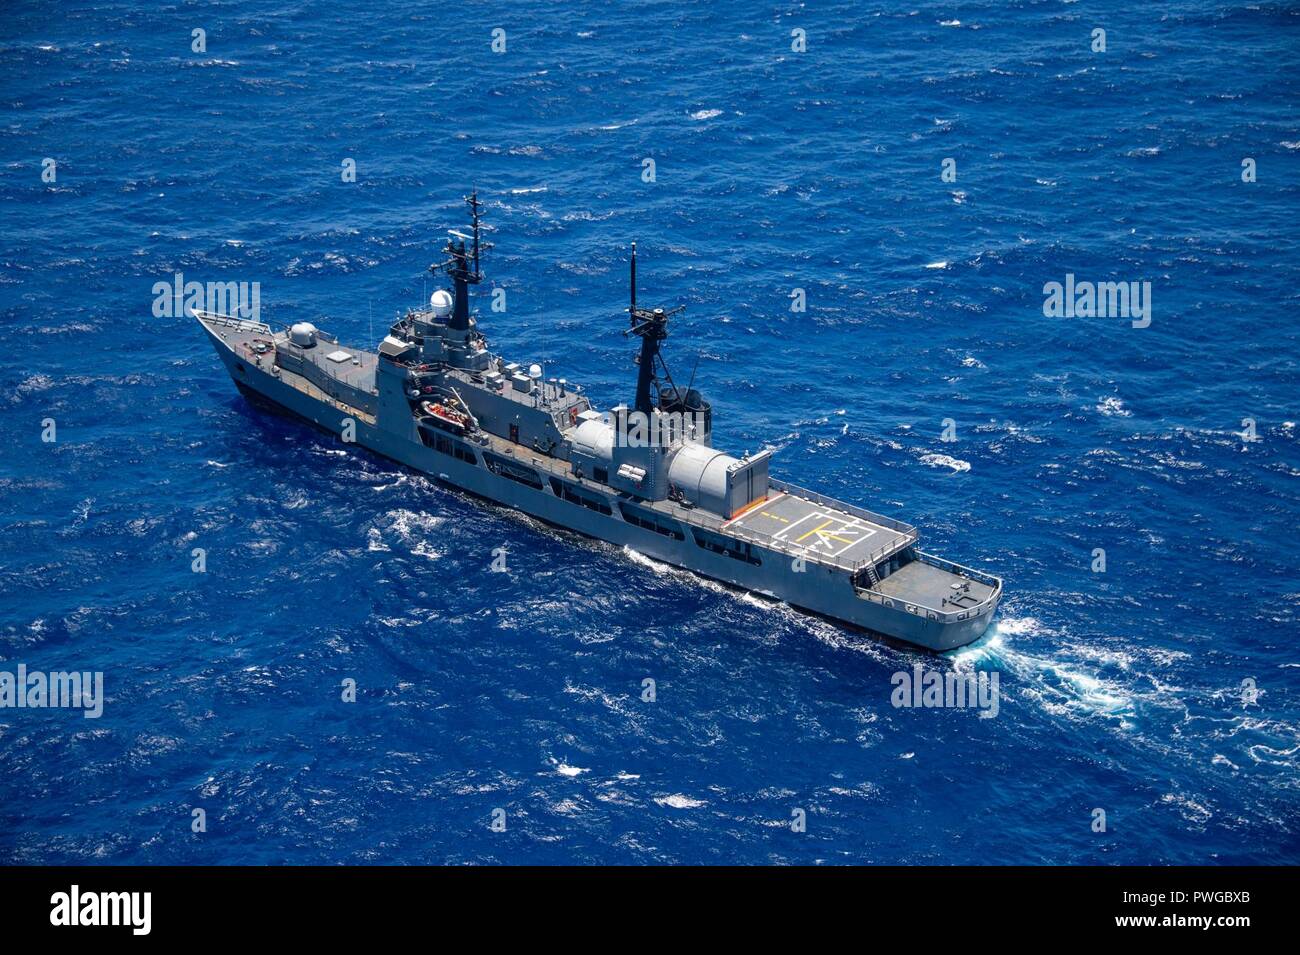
{"points": [[775, 170]]}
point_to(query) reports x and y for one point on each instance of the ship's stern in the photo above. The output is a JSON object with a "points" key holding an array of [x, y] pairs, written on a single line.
{"points": [[935, 603]]}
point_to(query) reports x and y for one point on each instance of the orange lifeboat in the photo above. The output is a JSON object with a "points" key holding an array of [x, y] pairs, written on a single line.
{"points": [[448, 417]]}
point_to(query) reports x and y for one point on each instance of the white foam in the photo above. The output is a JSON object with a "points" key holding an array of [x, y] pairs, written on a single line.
{"points": [[1018, 625], [1114, 408], [1063, 688], [945, 461], [659, 567], [678, 801]]}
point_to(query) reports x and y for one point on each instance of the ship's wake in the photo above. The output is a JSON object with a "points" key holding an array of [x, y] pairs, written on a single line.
{"points": [[1067, 688], [1140, 692]]}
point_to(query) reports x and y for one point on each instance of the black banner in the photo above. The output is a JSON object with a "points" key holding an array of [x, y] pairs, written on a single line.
{"points": [[332, 904]]}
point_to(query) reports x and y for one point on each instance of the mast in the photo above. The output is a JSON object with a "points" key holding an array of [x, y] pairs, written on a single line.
{"points": [[651, 325], [462, 265], [472, 199]]}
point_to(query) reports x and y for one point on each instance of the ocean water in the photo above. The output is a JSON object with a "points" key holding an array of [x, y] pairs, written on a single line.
{"points": [[775, 170]]}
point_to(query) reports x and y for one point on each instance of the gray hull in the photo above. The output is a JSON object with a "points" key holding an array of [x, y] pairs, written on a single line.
{"points": [[895, 607]]}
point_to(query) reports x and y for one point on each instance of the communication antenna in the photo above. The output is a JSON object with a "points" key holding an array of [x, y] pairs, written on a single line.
{"points": [[472, 199], [462, 264], [651, 326], [696, 368]]}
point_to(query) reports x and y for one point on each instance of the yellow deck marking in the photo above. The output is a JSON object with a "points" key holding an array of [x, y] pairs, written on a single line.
{"points": [[815, 529]]}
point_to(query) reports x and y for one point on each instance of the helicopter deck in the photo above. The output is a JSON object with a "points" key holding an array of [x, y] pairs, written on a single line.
{"points": [[818, 528]]}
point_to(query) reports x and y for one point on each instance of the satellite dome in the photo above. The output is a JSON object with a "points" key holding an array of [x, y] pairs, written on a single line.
{"points": [[303, 333], [440, 302]]}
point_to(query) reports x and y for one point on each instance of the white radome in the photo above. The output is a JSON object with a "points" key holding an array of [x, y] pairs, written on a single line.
{"points": [[440, 302]]}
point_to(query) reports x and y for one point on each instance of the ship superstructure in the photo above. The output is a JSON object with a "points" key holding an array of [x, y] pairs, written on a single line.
{"points": [[647, 476]]}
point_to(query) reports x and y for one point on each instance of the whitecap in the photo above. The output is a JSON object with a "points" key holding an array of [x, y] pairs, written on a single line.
{"points": [[945, 461], [1114, 408], [678, 801]]}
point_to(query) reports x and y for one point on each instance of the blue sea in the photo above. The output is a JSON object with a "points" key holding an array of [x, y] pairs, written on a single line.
{"points": [[775, 169]]}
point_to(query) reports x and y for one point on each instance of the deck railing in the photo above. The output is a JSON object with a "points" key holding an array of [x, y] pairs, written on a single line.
{"points": [[934, 613], [852, 509], [239, 324], [698, 518]]}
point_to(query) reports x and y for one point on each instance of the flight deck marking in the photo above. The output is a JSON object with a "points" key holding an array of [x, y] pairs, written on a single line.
{"points": [[815, 530], [834, 528]]}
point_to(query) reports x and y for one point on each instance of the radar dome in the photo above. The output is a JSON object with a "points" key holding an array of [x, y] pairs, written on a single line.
{"points": [[303, 333], [440, 302]]}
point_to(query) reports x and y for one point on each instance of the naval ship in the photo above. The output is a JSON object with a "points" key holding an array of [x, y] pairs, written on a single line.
{"points": [[434, 397]]}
